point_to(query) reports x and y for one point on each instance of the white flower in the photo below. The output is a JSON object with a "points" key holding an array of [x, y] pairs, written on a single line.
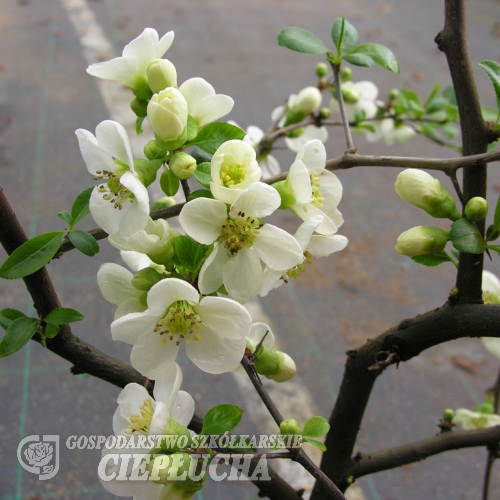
{"points": [[139, 414], [316, 190], [311, 132], [233, 168], [391, 132], [268, 163], [358, 96], [242, 242], [213, 328], [471, 420], [115, 283], [131, 68], [204, 104], [312, 246], [122, 202], [491, 295]]}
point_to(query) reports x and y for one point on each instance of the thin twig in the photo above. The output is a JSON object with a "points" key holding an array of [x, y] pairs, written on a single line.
{"points": [[343, 113]]}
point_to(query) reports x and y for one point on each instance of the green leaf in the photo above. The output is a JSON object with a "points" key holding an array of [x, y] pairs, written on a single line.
{"points": [[84, 242], [51, 331], [316, 427], [63, 316], [221, 418], [200, 193], [199, 257], [32, 255], [379, 53], [301, 40], [66, 217], [202, 174], [359, 60], [169, 183], [8, 315], [211, 136], [466, 238], [138, 125], [80, 208], [344, 36], [200, 156], [492, 69], [17, 335], [185, 251], [433, 259], [318, 444]]}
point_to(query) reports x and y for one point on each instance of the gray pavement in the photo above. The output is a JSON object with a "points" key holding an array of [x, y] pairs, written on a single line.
{"points": [[45, 95]]}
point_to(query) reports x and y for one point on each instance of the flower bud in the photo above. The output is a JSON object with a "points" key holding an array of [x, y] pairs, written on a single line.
{"points": [[274, 365], [173, 428], [165, 202], [394, 94], [486, 407], [448, 414], [168, 116], [350, 94], [307, 101], [182, 165], [139, 107], [290, 427], [153, 150], [321, 70], [476, 208], [424, 191], [325, 113], [286, 193], [161, 74], [346, 74], [422, 240], [145, 278], [297, 132]]}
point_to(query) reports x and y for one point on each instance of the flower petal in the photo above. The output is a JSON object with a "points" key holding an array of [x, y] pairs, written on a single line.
{"points": [[258, 200], [183, 408], [118, 69], [94, 157], [202, 219], [168, 291], [153, 359], [323, 246], [242, 275], [113, 139], [298, 178], [277, 249], [115, 283], [313, 155], [130, 327], [210, 277], [167, 388], [259, 331]]}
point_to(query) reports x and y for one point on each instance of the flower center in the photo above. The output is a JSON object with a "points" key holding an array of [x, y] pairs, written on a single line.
{"points": [[317, 199], [239, 232], [113, 191], [294, 272], [232, 173], [180, 321], [141, 423]]}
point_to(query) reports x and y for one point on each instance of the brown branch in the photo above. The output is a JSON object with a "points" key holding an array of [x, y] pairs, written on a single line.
{"points": [[370, 463], [452, 40]]}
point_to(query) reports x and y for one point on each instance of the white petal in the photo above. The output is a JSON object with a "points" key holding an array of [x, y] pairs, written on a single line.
{"points": [[313, 155], [258, 200], [160, 419], [183, 408], [113, 138], [490, 283], [130, 399], [167, 388], [211, 108], [367, 89], [331, 189], [118, 69], [164, 44], [259, 331], [214, 354], [323, 246], [210, 277], [134, 215], [195, 89], [128, 306], [94, 157], [152, 359], [104, 213], [306, 229], [202, 219], [242, 275], [310, 132], [277, 249], [130, 327], [135, 260], [224, 316], [168, 291], [298, 178], [271, 279], [269, 165], [115, 283]]}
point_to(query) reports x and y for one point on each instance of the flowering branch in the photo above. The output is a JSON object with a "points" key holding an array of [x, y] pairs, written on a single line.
{"points": [[343, 113]]}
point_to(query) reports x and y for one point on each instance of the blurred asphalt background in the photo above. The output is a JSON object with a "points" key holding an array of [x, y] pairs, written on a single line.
{"points": [[45, 94]]}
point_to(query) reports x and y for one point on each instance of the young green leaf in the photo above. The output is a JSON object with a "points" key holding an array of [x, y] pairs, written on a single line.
{"points": [[8, 315], [492, 69], [84, 242], [185, 251], [80, 208], [32, 255], [169, 183], [200, 193], [318, 444], [359, 60], [379, 53], [301, 40], [492, 234], [18, 333], [316, 427], [66, 217], [221, 418], [51, 331], [344, 36], [202, 174], [63, 316], [211, 136], [465, 237], [433, 259]]}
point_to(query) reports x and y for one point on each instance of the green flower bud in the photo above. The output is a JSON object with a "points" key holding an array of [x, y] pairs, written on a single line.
{"points": [[182, 165], [422, 240], [146, 170], [145, 278], [161, 74], [290, 427], [297, 132], [448, 414], [139, 107], [165, 202], [476, 208], [394, 94], [141, 89], [486, 407], [321, 70], [424, 191], [286, 194], [307, 101], [325, 113], [168, 116], [350, 94], [175, 429], [275, 365], [153, 150], [346, 74]]}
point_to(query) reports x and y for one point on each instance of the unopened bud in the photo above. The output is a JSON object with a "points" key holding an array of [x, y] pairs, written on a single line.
{"points": [[346, 74], [290, 427], [165, 202], [448, 414], [422, 240], [274, 365], [139, 107], [182, 165], [321, 70], [325, 113], [476, 209], [394, 94], [161, 74], [145, 278], [153, 150]]}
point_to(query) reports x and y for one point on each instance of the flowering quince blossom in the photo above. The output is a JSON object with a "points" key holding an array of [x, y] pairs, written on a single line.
{"points": [[138, 414], [391, 132], [316, 190], [358, 96], [121, 203], [470, 420], [491, 295], [204, 104], [213, 328], [268, 163], [233, 168], [242, 242], [131, 68], [312, 246]]}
